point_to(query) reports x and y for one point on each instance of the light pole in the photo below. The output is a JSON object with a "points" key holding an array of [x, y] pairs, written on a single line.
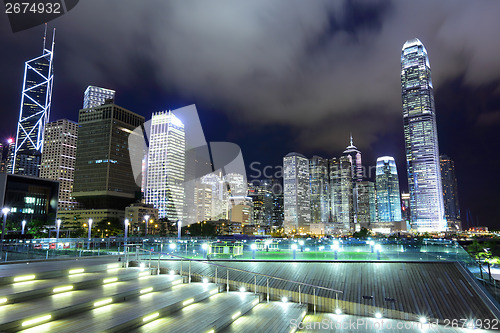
{"points": [[294, 248], [146, 218], [204, 246], [126, 230], [58, 222], [90, 229], [5, 211], [253, 247], [23, 225], [179, 226]]}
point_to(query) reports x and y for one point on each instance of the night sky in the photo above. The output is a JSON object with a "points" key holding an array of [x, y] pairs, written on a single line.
{"points": [[286, 75]]}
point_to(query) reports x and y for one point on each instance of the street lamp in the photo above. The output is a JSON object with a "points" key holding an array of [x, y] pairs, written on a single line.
{"points": [[204, 246], [126, 230], [23, 225], [294, 248], [253, 247], [179, 226], [58, 222], [146, 218], [301, 243], [90, 228], [5, 211]]}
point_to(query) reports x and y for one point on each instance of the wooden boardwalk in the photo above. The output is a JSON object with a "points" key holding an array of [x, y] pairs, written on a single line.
{"points": [[401, 290]]}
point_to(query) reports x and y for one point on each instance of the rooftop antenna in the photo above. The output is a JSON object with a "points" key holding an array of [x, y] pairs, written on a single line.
{"points": [[351, 138], [44, 36], [53, 39]]}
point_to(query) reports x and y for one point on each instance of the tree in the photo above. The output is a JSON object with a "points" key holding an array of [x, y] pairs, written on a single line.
{"points": [[363, 233], [108, 227]]}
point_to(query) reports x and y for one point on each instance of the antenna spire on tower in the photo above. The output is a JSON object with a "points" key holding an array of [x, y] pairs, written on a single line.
{"points": [[351, 139], [44, 36]]}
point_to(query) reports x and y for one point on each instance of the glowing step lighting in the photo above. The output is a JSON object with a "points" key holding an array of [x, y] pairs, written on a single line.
{"points": [[3, 300], [146, 290], [36, 320], [113, 279], [24, 278], [211, 331], [103, 302], [76, 271], [214, 291], [144, 273], [151, 316], [188, 301], [113, 266], [255, 302], [62, 289], [236, 315]]}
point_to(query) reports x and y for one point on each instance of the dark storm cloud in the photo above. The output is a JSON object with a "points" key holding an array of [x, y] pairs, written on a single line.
{"points": [[325, 68]]}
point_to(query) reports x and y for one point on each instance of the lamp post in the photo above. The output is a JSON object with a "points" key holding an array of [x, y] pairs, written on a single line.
{"points": [[146, 218], [253, 247], [23, 225], [179, 226], [58, 224], [204, 246], [335, 248], [301, 243], [126, 231], [294, 248], [90, 229], [5, 211]]}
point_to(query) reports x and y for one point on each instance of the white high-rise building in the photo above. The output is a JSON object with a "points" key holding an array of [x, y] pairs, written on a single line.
{"points": [[296, 195], [58, 159], [421, 139], [97, 96], [164, 187]]}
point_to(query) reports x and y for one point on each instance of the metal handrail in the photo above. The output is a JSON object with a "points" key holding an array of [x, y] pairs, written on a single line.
{"points": [[243, 270]]}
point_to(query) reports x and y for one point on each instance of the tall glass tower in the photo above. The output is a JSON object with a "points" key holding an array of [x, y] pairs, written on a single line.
{"points": [[320, 203], [34, 113], [421, 139], [387, 185], [166, 166], [296, 195], [450, 192]]}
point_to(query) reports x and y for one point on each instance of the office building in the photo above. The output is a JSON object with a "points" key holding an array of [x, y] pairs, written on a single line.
{"points": [[387, 186], [58, 159], [296, 196], [166, 166], [421, 139], [96, 96], [103, 172], [262, 198], [341, 194], [137, 213], [367, 208], [319, 187], [34, 113], [450, 192]]}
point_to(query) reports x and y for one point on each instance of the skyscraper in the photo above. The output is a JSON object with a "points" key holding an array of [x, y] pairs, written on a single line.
{"points": [[34, 113], [166, 166], [450, 191], [103, 172], [296, 195], [58, 159], [341, 193], [421, 139], [387, 186], [320, 210], [354, 156], [96, 96], [367, 209]]}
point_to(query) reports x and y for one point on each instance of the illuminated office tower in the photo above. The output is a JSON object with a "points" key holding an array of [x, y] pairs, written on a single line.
{"points": [[103, 172], [341, 198], [166, 166], [296, 195], [320, 203], [354, 156], [450, 191], [421, 139], [367, 208], [7, 154], [387, 186], [58, 159], [96, 96], [262, 198], [34, 114]]}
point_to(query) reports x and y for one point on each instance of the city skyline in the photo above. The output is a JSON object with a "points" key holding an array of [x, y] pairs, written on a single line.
{"points": [[464, 74]]}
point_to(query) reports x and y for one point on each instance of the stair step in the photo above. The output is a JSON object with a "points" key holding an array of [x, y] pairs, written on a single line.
{"points": [[214, 313], [120, 317], [14, 315]]}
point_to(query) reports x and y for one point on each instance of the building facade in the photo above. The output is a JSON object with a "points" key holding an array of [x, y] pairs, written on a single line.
{"points": [[341, 197], [450, 192], [166, 166], [367, 208], [319, 186], [103, 172], [387, 186], [96, 96], [296, 195], [421, 139], [58, 159], [34, 113]]}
